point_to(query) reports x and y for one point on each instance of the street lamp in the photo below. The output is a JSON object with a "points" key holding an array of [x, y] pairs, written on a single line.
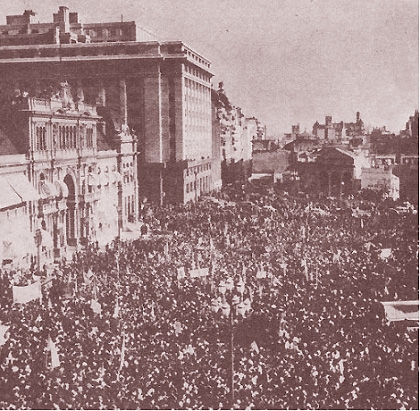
{"points": [[230, 303]]}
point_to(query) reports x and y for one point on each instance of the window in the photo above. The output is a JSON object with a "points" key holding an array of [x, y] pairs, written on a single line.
{"points": [[41, 138]]}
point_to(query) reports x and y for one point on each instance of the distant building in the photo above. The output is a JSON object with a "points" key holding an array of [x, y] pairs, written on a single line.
{"points": [[236, 136], [339, 171], [378, 179], [270, 162], [336, 132], [20, 30], [162, 90], [412, 127]]}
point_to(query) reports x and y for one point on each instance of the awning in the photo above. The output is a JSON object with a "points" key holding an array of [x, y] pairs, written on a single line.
{"points": [[47, 189], [23, 187], [61, 188], [8, 196], [401, 310]]}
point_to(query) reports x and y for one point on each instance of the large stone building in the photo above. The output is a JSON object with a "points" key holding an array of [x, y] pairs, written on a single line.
{"points": [[337, 132], [161, 90], [74, 182], [236, 135]]}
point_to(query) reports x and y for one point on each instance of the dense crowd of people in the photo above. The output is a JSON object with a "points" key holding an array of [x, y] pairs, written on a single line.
{"points": [[122, 329]]}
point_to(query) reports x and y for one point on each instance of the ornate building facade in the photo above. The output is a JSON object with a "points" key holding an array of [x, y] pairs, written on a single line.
{"points": [[76, 183], [162, 90]]}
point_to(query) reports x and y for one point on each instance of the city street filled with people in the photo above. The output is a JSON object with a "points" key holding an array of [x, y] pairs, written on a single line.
{"points": [[134, 325]]}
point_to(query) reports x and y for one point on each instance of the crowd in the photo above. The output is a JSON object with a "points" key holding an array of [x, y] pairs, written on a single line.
{"points": [[315, 338]]}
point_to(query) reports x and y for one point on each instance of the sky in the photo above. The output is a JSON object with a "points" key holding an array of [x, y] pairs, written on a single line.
{"points": [[285, 61]]}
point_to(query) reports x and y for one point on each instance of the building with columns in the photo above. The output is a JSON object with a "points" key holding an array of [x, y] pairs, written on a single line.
{"points": [[159, 90], [75, 183]]}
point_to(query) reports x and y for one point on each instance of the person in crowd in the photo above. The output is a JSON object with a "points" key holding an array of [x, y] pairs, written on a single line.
{"points": [[122, 329]]}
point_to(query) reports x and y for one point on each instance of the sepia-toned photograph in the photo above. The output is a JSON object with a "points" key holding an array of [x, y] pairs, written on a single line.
{"points": [[209, 205]]}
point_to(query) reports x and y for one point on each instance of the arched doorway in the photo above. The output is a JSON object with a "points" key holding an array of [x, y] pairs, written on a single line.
{"points": [[71, 212]]}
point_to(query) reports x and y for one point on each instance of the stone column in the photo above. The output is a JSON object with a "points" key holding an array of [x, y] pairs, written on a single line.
{"points": [[123, 101], [101, 99], [153, 118], [80, 97]]}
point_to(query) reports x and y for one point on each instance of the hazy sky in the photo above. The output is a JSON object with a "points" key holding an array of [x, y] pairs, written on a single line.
{"points": [[285, 61]]}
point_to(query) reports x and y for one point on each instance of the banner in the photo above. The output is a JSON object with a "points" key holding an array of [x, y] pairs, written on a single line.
{"points": [[3, 331], [401, 310], [199, 272], [25, 294], [55, 360], [385, 253]]}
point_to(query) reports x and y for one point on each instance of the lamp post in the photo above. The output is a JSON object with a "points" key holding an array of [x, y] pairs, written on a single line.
{"points": [[231, 304]]}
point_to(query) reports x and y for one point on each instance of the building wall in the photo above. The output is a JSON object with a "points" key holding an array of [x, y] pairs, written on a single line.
{"points": [[379, 179], [161, 79], [270, 162], [85, 194]]}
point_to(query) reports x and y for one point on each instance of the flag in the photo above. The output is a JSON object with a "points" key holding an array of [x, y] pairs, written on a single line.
{"points": [[199, 272], [178, 328], [3, 331], [336, 256], [122, 355], [284, 266], [116, 310], [88, 277], [96, 307], [152, 312], [25, 294], [305, 269], [254, 346], [261, 273], [181, 273], [55, 360]]}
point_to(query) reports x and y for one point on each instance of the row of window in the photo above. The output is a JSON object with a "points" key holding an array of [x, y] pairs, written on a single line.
{"points": [[198, 169], [111, 32], [196, 87], [65, 137], [202, 185], [129, 205]]}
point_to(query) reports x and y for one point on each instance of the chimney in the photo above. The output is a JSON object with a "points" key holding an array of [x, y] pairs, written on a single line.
{"points": [[328, 120], [63, 19]]}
